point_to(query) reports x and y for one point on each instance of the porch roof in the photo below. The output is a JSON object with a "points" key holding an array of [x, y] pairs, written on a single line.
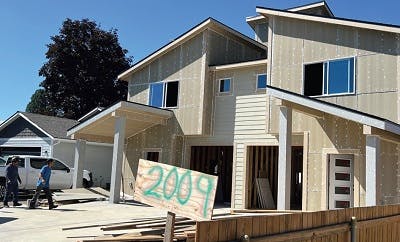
{"points": [[101, 127], [334, 109]]}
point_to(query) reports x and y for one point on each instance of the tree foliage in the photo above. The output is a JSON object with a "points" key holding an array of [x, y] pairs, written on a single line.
{"points": [[39, 103], [83, 62]]}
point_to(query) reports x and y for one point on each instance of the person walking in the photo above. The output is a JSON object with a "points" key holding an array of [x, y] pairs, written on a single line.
{"points": [[12, 179], [43, 183]]}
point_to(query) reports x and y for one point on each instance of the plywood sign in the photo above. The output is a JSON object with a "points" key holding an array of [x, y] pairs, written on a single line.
{"points": [[182, 191]]}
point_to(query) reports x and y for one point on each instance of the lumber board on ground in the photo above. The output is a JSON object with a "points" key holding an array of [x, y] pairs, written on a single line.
{"points": [[128, 238], [146, 224]]}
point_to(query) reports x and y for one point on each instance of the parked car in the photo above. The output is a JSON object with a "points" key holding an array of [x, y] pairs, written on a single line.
{"points": [[29, 168]]}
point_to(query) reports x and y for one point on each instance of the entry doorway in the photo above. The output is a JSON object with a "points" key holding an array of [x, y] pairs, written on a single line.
{"points": [[341, 184], [217, 161], [262, 162]]}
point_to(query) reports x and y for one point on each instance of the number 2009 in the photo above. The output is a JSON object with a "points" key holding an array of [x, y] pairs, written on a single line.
{"points": [[177, 189]]}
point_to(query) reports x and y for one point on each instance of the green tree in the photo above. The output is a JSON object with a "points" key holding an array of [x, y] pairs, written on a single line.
{"points": [[39, 103], [83, 62]]}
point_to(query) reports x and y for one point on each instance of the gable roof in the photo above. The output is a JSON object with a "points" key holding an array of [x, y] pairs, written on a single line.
{"points": [[331, 20], [308, 8], [322, 5], [208, 23], [53, 127]]}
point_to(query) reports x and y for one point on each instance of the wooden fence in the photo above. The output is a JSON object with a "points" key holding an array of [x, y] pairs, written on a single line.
{"points": [[374, 224]]}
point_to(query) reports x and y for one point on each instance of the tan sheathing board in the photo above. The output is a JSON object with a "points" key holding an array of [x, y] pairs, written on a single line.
{"points": [[333, 135], [188, 63], [225, 49], [185, 64], [166, 138], [296, 42]]}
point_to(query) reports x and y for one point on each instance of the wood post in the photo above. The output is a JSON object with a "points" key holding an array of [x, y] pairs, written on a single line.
{"points": [[169, 227], [353, 229]]}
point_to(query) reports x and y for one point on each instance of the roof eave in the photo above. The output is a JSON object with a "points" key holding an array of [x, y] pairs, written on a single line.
{"points": [[312, 5], [334, 109], [334, 20], [19, 114], [195, 30]]}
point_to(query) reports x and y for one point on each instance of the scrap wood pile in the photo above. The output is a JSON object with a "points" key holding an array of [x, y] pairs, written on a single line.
{"points": [[144, 229]]}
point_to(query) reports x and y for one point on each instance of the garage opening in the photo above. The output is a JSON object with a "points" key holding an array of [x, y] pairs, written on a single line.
{"points": [[217, 161], [263, 164], [7, 151]]}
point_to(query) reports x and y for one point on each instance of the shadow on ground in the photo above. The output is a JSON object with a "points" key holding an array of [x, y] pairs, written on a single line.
{"points": [[4, 220]]}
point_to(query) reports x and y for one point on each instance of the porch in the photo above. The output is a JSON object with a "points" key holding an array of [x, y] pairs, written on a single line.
{"points": [[351, 150], [114, 125]]}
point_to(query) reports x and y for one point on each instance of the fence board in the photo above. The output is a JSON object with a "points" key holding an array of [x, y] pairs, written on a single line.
{"points": [[380, 223]]}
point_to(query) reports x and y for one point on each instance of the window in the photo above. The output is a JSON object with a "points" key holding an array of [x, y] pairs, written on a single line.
{"points": [[153, 156], [164, 94], [57, 165], [225, 85], [261, 81], [38, 163], [329, 78], [2, 162]]}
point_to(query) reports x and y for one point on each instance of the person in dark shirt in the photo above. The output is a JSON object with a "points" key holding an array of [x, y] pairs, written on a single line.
{"points": [[12, 179], [43, 183]]}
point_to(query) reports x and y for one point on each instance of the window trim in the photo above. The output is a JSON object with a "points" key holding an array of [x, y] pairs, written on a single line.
{"points": [[323, 76], [230, 85], [266, 82], [165, 87], [146, 150]]}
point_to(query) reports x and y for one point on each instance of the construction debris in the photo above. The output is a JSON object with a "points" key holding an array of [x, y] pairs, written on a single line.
{"points": [[144, 229]]}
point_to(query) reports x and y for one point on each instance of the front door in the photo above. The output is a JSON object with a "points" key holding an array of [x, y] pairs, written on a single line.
{"points": [[340, 181]]}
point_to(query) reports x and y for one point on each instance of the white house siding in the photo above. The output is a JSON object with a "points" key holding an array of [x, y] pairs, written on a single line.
{"points": [[242, 114], [43, 143], [250, 129], [98, 159]]}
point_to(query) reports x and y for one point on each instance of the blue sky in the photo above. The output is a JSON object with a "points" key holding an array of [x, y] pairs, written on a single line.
{"points": [[143, 26]]}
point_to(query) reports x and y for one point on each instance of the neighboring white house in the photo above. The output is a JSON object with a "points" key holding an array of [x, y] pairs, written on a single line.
{"points": [[34, 134]]}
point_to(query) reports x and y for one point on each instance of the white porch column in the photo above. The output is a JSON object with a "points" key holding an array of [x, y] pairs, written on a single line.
{"points": [[285, 157], [80, 150], [116, 169], [372, 151]]}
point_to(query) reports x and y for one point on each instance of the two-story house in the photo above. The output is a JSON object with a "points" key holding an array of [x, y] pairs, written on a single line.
{"points": [[311, 105]]}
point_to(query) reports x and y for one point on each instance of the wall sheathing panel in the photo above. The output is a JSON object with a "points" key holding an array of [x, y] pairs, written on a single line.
{"points": [[298, 42], [185, 64], [165, 138], [225, 49], [389, 180]]}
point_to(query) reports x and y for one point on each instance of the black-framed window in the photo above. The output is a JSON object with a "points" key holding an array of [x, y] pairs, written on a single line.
{"points": [[164, 94], [333, 77]]}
